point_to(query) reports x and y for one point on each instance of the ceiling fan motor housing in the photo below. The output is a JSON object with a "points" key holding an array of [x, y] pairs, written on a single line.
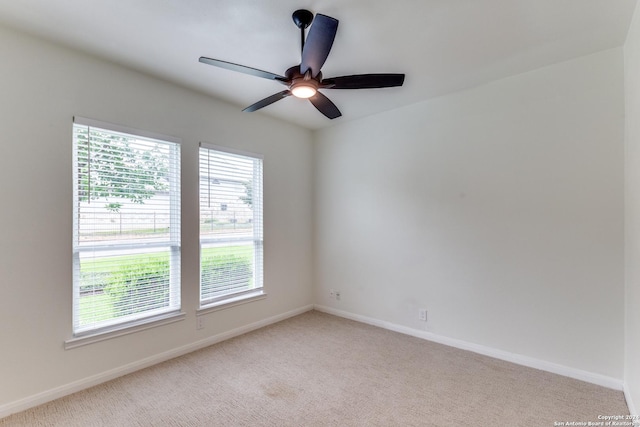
{"points": [[302, 85]]}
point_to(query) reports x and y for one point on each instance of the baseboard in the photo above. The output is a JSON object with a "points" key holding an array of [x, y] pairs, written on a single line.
{"points": [[530, 362], [627, 396], [64, 390]]}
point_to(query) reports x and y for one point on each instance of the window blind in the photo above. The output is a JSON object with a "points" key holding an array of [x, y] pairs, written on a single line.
{"points": [[231, 231], [126, 241]]}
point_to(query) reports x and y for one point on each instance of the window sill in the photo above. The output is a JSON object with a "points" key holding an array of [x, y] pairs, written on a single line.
{"points": [[231, 302], [125, 329]]}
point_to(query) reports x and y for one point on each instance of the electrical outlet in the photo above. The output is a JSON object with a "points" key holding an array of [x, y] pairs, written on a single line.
{"points": [[332, 293], [199, 322], [422, 314], [337, 293]]}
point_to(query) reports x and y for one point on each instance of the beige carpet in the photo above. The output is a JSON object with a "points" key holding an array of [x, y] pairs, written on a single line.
{"points": [[320, 370]]}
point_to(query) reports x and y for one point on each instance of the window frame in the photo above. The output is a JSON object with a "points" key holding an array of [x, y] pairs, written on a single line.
{"points": [[129, 324], [257, 238]]}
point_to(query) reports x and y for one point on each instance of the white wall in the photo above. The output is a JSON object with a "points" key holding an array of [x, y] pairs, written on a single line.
{"points": [[41, 88], [632, 213], [499, 209]]}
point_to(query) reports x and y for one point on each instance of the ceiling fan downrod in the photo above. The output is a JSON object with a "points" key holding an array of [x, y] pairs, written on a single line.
{"points": [[302, 18]]}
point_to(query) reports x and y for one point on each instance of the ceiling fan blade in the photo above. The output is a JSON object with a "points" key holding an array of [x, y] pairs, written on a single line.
{"points": [[325, 106], [364, 81], [243, 69], [318, 45], [267, 101]]}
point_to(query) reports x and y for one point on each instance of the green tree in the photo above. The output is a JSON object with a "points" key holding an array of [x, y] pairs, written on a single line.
{"points": [[247, 199], [113, 166]]}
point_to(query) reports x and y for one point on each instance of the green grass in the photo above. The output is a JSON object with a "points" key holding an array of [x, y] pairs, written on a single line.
{"points": [[105, 265], [96, 307], [241, 251]]}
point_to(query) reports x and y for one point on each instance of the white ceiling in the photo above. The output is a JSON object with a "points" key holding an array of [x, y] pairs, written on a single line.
{"points": [[441, 45]]}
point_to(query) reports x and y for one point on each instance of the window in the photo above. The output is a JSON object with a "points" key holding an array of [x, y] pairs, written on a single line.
{"points": [[230, 225], [126, 227]]}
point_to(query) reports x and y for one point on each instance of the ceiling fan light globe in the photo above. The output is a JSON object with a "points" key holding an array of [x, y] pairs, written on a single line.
{"points": [[303, 91]]}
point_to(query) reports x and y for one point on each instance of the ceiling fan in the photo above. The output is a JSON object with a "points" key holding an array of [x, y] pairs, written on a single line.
{"points": [[305, 80]]}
